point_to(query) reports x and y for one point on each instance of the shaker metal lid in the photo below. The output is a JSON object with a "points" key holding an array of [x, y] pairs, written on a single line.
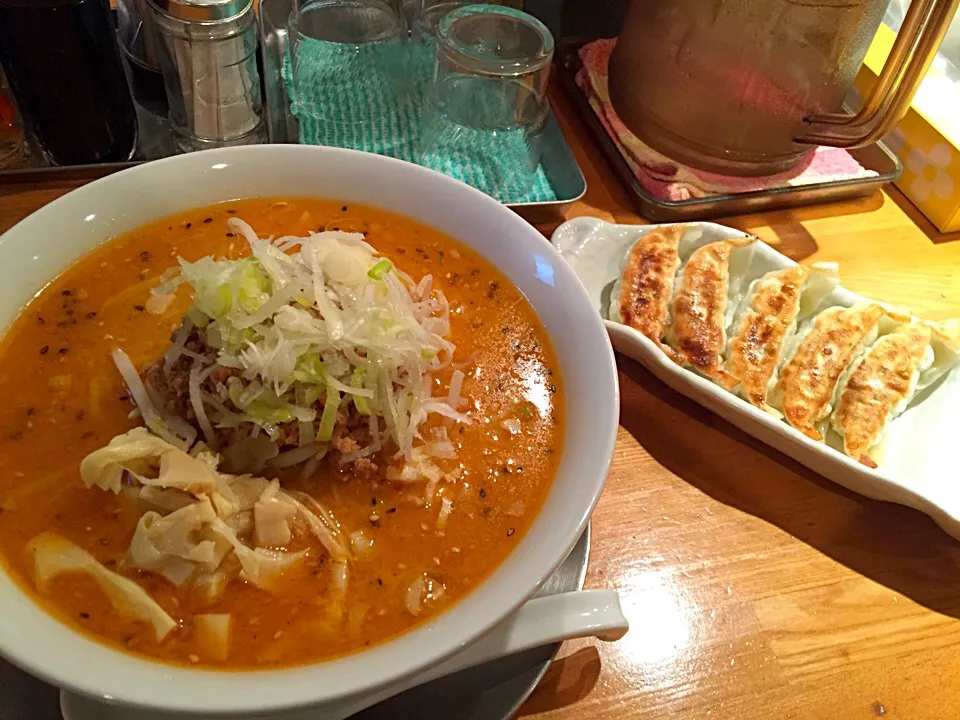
{"points": [[203, 10]]}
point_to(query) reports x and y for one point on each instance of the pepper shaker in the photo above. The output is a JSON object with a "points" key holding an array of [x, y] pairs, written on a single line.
{"points": [[209, 63]]}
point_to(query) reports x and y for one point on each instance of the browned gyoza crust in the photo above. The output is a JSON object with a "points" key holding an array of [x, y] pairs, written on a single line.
{"points": [[762, 329], [809, 380], [697, 333], [647, 281], [881, 381]]}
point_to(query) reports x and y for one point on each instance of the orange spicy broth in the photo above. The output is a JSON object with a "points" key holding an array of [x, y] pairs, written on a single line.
{"points": [[64, 399]]}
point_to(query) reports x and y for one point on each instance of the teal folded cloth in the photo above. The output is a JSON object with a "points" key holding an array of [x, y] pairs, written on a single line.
{"points": [[369, 97]]}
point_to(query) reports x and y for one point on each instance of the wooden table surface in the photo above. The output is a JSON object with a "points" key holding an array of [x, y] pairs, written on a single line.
{"points": [[756, 590]]}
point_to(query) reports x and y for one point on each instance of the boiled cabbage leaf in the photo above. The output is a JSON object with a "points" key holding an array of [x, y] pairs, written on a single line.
{"points": [[54, 555]]}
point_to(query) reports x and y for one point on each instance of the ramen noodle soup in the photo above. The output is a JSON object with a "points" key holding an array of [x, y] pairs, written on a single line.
{"points": [[271, 432]]}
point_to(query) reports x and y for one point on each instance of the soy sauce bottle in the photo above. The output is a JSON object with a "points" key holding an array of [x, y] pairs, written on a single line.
{"points": [[63, 65]]}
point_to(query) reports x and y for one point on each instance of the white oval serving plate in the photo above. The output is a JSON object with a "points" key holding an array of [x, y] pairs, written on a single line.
{"points": [[916, 463]]}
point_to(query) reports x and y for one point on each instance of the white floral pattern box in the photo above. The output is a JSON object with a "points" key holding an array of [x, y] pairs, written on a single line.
{"points": [[927, 140]]}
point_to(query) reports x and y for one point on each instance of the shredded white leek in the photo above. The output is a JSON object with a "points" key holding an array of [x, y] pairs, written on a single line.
{"points": [[318, 320], [172, 429]]}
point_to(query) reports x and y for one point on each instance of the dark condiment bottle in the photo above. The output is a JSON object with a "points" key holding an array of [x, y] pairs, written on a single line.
{"points": [[62, 62]]}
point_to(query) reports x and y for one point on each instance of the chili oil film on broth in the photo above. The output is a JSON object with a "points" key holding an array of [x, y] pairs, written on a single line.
{"points": [[271, 432]]}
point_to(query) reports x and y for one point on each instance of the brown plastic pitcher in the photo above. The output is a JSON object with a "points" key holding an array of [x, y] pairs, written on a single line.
{"points": [[749, 87]]}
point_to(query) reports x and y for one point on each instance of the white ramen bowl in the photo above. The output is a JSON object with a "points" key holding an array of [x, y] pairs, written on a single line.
{"points": [[44, 244]]}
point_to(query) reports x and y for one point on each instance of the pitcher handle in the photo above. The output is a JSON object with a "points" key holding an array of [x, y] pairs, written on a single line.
{"points": [[923, 28]]}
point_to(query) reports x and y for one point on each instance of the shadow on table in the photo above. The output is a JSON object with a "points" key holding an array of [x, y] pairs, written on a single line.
{"points": [[919, 219], [568, 680], [786, 232], [894, 545]]}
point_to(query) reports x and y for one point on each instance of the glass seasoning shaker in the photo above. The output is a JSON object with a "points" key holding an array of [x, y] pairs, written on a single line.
{"points": [[209, 62], [63, 65]]}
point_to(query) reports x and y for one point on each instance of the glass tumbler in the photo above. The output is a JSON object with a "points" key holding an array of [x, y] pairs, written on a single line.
{"points": [[486, 105], [424, 23], [349, 84], [428, 13], [141, 45]]}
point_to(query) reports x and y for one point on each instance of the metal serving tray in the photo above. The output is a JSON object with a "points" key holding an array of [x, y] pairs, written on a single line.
{"points": [[558, 161], [873, 157], [35, 171]]}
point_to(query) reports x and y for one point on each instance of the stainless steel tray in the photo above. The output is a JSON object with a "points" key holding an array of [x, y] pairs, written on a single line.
{"points": [[873, 157], [558, 161]]}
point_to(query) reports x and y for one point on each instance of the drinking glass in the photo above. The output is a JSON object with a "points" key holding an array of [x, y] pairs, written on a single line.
{"points": [[424, 23], [486, 105], [142, 46], [348, 67], [428, 14]]}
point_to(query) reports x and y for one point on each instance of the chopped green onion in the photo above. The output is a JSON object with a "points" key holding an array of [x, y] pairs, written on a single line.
{"points": [[370, 383], [222, 301], [260, 410], [329, 417], [309, 369], [197, 316], [356, 380], [235, 391], [223, 336], [253, 286], [312, 394], [380, 269]]}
